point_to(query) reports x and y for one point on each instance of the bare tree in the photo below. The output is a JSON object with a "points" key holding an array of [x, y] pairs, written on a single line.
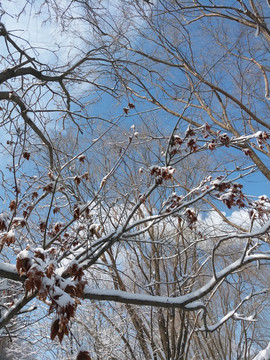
{"points": [[141, 88]]}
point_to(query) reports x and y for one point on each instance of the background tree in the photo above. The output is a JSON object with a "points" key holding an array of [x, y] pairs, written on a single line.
{"points": [[79, 127]]}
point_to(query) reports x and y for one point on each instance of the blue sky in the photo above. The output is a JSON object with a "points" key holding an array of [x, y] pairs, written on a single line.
{"points": [[41, 34]]}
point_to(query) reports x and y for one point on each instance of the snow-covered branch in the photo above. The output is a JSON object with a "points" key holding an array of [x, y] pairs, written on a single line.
{"points": [[8, 271], [188, 302]]}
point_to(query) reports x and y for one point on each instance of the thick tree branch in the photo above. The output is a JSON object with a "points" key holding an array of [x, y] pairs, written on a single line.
{"points": [[189, 302], [8, 271]]}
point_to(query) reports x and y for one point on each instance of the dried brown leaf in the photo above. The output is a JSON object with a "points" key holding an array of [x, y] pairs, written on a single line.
{"points": [[83, 355], [12, 205]]}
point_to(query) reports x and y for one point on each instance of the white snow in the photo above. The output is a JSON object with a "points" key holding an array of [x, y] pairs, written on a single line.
{"points": [[8, 268], [141, 299], [24, 254], [264, 354]]}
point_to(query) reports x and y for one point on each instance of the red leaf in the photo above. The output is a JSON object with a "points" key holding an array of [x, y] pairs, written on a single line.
{"points": [[26, 155], [54, 328], [50, 175], [42, 226], [23, 265], [48, 187], [83, 355], [39, 255], [76, 213], [77, 180], [34, 195], [247, 152], [85, 176], [8, 238], [12, 205], [56, 210], [3, 225], [81, 158]]}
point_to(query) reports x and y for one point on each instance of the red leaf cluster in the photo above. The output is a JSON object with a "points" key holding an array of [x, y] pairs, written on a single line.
{"points": [[126, 109], [23, 263], [212, 145], [231, 194], [80, 210], [26, 155], [192, 145], [16, 222], [176, 140], [42, 226], [8, 238], [66, 310], [76, 213], [59, 328], [76, 271], [189, 132], [34, 195], [49, 187], [224, 139], [173, 202], [189, 141], [34, 279], [261, 208], [206, 130], [62, 293], [162, 173], [85, 176], [191, 217], [194, 136], [261, 137]]}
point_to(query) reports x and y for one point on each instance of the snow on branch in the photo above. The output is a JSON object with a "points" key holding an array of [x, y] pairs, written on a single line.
{"points": [[233, 314], [140, 299], [8, 271], [253, 234], [187, 302], [15, 309], [263, 354]]}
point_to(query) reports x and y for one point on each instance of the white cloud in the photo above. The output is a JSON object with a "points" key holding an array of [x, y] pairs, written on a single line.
{"points": [[41, 29], [240, 217]]}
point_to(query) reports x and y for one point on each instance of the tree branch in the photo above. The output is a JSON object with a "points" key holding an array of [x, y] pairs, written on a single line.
{"points": [[11, 96]]}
